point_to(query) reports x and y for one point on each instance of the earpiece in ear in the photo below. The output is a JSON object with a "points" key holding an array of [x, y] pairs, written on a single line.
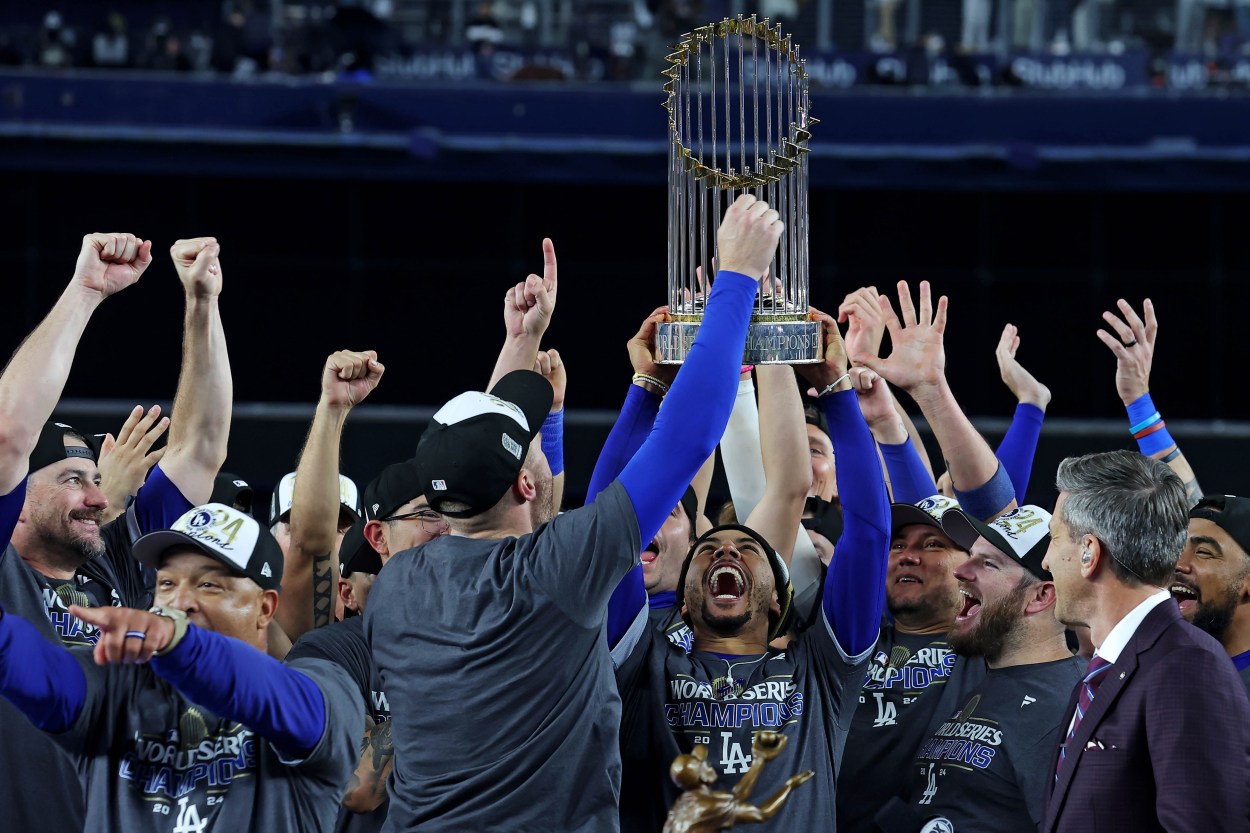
{"points": [[1086, 557]]}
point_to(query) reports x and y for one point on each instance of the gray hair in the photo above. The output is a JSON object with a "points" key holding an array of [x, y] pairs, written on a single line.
{"points": [[1134, 505]]}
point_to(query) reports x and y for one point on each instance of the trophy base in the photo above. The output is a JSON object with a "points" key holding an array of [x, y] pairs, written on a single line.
{"points": [[780, 342]]}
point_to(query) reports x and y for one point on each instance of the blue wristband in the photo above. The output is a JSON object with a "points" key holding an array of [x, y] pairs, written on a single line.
{"points": [[553, 441], [1142, 410], [988, 499], [1152, 444]]}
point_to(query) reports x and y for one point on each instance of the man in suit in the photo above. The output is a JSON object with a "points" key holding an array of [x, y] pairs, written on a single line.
{"points": [[1157, 733]]}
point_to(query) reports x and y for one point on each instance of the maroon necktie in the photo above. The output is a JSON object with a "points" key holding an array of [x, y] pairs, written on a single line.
{"points": [[1089, 687]]}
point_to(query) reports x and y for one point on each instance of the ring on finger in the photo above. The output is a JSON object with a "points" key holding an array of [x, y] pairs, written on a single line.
{"points": [[137, 634], [1132, 343]]}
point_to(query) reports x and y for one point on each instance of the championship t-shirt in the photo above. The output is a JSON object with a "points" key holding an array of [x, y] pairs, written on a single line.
{"points": [[895, 707], [42, 792], [675, 700], [343, 643], [151, 760], [984, 767], [494, 660]]}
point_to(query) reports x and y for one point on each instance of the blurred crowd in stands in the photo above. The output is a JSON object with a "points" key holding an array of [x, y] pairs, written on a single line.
{"points": [[626, 38]]}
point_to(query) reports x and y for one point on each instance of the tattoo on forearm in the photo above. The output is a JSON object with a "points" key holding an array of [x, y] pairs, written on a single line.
{"points": [[382, 745], [323, 591], [1193, 491]]}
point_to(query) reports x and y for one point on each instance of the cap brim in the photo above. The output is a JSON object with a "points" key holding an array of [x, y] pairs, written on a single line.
{"points": [[904, 514], [528, 391], [149, 548], [964, 530]]}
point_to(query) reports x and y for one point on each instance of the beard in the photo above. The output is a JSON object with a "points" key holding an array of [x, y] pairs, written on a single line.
{"points": [[726, 625], [993, 626], [1215, 616], [66, 548], [935, 604], [541, 507]]}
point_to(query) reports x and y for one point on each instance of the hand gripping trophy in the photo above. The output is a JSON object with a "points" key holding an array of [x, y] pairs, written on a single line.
{"points": [[738, 120], [703, 810]]}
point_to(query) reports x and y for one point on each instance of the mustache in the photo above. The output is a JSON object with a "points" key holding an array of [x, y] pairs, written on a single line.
{"points": [[96, 515]]}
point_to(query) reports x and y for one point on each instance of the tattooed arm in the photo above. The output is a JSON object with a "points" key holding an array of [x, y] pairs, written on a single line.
{"points": [[367, 788]]}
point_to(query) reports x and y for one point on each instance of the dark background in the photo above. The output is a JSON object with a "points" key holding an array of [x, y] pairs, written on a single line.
{"points": [[416, 271]]}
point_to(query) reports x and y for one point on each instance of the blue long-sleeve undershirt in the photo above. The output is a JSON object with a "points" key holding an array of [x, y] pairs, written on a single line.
{"points": [[627, 435], [1019, 446], [688, 427], [224, 675], [854, 592], [909, 479]]}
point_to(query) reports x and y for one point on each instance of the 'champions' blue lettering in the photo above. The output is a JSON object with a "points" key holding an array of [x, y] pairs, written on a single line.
{"points": [[162, 769], [711, 714], [962, 751]]}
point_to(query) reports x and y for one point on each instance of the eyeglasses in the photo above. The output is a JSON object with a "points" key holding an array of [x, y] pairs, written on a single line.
{"points": [[430, 521]]}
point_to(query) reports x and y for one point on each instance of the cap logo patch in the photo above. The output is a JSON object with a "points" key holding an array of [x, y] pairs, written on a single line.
{"points": [[936, 505], [242, 484], [1017, 522], [217, 528], [511, 446], [266, 571], [439, 485]]}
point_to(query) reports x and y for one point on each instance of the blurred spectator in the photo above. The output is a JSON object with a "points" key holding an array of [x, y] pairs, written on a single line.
{"points": [[885, 39], [483, 31], [975, 35], [163, 50], [56, 42], [110, 47]]}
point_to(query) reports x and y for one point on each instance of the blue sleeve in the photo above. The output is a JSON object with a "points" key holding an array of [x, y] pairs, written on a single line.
{"points": [[855, 587], [158, 503], [687, 429], [627, 434], [553, 441], [909, 479], [42, 680], [237, 681], [10, 509], [1019, 445], [696, 410]]}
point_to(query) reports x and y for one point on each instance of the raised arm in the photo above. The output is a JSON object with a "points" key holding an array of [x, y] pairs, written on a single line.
{"points": [[697, 407], [527, 311], [1019, 444], [310, 575], [1134, 350], [854, 590], [650, 382], [910, 480], [917, 365], [200, 422], [550, 366], [126, 459], [33, 381]]}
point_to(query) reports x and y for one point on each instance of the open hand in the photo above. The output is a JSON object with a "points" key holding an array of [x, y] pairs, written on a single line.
{"points": [[126, 460], [1024, 387], [1134, 348], [918, 358], [861, 312]]}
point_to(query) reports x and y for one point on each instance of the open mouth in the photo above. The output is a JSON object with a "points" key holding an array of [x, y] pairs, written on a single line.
{"points": [[1186, 596], [726, 583], [907, 580], [651, 552], [972, 606]]}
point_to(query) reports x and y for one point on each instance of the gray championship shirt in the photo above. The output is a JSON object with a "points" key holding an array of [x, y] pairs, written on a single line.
{"points": [[675, 700], [984, 763], [494, 659], [150, 760], [907, 675]]}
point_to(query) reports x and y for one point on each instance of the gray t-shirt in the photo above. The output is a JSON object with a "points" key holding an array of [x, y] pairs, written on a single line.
{"points": [[674, 700], [984, 766], [150, 760], [900, 694], [494, 659], [41, 784]]}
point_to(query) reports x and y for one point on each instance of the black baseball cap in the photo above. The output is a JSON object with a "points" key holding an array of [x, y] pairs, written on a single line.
{"points": [[1022, 534], [928, 511], [781, 576], [232, 490], [475, 445], [690, 503], [356, 554], [397, 484], [1229, 513], [222, 532], [50, 447]]}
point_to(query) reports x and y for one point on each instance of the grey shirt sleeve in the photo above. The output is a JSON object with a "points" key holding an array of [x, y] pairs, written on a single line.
{"points": [[333, 759]]}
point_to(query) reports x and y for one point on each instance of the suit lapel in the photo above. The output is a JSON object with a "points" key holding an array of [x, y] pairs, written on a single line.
{"points": [[1118, 677]]}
